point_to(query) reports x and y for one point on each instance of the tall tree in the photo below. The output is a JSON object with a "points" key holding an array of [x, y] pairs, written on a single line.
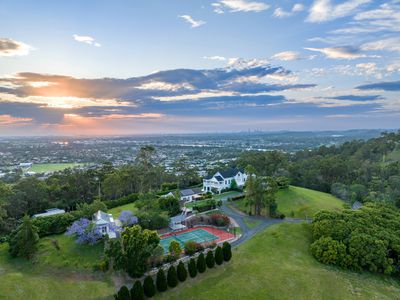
{"points": [[134, 248], [23, 242]]}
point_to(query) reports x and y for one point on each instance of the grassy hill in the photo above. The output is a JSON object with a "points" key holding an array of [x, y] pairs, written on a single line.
{"points": [[276, 264], [305, 202], [55, 274], [300, 202]]}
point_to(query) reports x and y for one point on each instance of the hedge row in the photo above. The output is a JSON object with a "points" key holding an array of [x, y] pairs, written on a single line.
{"points": [[175, 275], [121, 201]]}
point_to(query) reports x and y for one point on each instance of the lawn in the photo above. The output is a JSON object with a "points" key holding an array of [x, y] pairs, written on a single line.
{"points": [[47, 277], [299, 202], [70, 254], [305, 202], [276, 264], [116, 211], [43, 168]]}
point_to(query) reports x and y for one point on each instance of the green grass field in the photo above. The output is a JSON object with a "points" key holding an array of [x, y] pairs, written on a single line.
{"points": [[43, 168], [300, 202], [116, 211], [305, 202], [54, 274], [276, 264]]}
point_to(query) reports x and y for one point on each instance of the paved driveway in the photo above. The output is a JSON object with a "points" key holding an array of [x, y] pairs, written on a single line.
{"points": [[248, 233]]}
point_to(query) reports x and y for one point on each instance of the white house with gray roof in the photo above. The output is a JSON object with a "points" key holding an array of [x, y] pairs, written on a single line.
{"points": [[191, 194], [223, 180], [105, 224]]}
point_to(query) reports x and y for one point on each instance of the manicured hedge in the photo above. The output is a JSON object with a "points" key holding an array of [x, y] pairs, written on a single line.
{"points": [[54, 224], [121, 201]]}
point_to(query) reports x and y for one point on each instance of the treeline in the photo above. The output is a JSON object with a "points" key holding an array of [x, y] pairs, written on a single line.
{"points": [[70, 188], [366, 239], [354, 171]]}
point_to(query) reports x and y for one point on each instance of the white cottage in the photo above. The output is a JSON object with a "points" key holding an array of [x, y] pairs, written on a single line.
{"points": [[105, 224], [223, 180]]}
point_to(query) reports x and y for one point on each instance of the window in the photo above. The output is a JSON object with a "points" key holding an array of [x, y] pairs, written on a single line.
{"points": [[104, 229]]}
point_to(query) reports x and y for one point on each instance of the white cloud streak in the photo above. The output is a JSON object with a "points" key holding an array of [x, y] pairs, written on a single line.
{"points": [[239, 6], [324, 10], [86, 39], [193, 23]]}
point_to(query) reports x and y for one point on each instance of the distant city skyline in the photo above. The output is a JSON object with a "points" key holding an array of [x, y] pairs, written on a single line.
{"points": [[101, 67]]}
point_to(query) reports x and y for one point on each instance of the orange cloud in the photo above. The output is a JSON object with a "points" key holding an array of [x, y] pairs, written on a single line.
{"points": [[6, 120]]}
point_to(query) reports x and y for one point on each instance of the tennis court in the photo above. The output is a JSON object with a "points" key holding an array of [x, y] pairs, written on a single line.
{"points": [[198, 235]]}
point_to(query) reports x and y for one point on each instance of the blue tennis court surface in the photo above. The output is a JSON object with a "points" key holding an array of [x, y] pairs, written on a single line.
{"points": [[197, 235]]}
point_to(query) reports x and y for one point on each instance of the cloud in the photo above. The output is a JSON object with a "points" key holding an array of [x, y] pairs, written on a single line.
{"points": [[6, 120], [389, 44], [9, 47], [324, 10], [281, 13], [390, 86], [239, 6], [86, 39], [286, 56], [358, 97], [215, 57], [339, 52], [193, 23]]}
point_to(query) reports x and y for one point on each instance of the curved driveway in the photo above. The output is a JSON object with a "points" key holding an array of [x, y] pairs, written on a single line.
{"points": [[248, 233]]}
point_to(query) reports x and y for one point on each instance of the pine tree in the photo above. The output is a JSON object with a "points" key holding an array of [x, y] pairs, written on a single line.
{"points": [[148, 287], [219, 256], [210, 261], [182, 273], [161, 281], [201, 263], [137, 291], [24, 239], [192, 268], [227, 251], [123, 294], [172, 277]]}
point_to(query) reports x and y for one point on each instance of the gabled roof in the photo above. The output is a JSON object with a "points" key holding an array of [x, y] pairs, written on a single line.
{"points": [[190, 192], [102, 216], [230, 173], [219, 178]]}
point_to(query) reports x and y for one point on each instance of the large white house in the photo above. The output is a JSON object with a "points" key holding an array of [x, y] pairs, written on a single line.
{"points": [[105, 224], [223, 180]]}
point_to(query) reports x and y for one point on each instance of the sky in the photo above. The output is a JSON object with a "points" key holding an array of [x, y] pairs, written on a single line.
{"points": [[128, 67]]}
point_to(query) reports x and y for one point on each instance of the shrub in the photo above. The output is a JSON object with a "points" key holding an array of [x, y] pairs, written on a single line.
{"points": [[219, 220], [123, 294], [328, 251], [210, 261], [227, 251], [191, 247], [219, 256], [148, 287], [201, 263], [161, 281], [137, 291], [192, 268], [172, 277], [181, 271]]}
